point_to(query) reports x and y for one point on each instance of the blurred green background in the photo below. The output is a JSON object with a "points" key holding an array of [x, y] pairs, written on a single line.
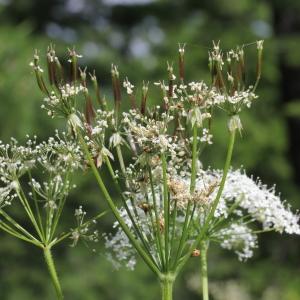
{"points": [[140, 36]]}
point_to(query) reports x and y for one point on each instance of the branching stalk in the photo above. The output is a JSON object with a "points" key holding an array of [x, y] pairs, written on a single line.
{"points": [[166, 283]]}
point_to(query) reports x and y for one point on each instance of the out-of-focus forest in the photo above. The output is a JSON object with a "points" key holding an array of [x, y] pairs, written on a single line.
{"points": [[140, 36]]}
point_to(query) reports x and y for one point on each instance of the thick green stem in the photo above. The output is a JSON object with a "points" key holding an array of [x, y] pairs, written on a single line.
{"points": [[166, 284], [204, 277], [52, 272]]}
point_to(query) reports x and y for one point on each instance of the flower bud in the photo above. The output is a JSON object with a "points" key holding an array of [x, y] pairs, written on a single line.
{"points": [[234, 123], [144, 97], [116, 87], [100, 100], [181, 61], [74, 63], [259, 58]]}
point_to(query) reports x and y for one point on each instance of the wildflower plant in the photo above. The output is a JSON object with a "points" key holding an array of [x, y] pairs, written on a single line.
{"points": [[171, 207], [37, 177]]}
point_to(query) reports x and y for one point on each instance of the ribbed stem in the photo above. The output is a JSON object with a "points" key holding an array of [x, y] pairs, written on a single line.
{"points": [[166, 283], [52, 272], [204, 277]]}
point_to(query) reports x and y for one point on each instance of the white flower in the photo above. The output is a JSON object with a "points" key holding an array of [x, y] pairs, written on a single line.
{"points": [[115, 140], [128, 86], [206, 136], [239, 238]]}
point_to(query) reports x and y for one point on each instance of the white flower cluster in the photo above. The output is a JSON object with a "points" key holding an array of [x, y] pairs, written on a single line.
{"points": [[120, 250], [60, 154], [102, 121], [62, 103], [84, 229], [148, 134], [240, 238], [15, 161], [96, 138], [51, 191], [56, 157], [260, 202], [252, 201]]}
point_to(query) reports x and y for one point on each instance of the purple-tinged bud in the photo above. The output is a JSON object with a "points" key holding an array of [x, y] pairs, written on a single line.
{"points": [[116, 88], [39, 73], [260, 48], [100, 100], [51, 64], [241, 66], [73, 60], [172, 77]]}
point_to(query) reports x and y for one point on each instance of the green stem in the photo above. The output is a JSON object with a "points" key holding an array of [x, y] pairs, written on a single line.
{"points": [[136, 227], [166, 284], [192, 189], [52, 272], [166, 209], [194, 159], [29, 212], [36, 206], [215, 203], [155, 204], [223, 180], [115, 211], [122, 164], [204, 277]]}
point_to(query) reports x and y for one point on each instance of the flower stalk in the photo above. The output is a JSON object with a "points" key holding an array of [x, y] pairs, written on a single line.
{"points": [[204, 275], [52, 271]]}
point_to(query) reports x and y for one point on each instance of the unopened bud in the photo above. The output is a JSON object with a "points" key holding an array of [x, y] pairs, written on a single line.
{"points": [[235, 123], [181, 61], [73, 60], [144, 97], [260, 47]]}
